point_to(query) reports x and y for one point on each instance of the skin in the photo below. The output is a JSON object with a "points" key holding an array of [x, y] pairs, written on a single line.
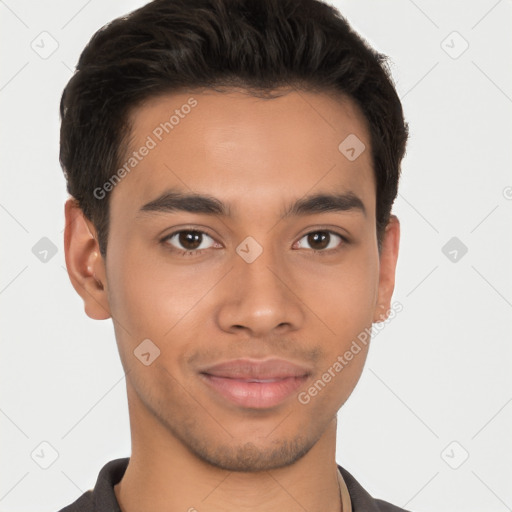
{"points": [[191, 447]]}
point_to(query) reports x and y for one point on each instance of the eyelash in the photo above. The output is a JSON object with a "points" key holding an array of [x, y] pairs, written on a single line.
{"points": [[197, 252]]}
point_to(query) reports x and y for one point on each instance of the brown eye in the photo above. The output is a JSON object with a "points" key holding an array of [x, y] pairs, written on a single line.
{"points": [[322, 240], [319, 240], [189, 240]]}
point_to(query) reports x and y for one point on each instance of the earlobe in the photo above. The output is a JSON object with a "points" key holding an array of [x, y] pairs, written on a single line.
{"points": [[388, 261], [85, 265], [382, 313]]}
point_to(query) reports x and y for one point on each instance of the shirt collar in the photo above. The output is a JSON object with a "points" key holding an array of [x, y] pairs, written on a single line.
{"points": [[354, 497]]}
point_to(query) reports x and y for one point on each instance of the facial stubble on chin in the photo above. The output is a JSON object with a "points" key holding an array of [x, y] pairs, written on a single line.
{"points": [[246, 456], [201, 439]]}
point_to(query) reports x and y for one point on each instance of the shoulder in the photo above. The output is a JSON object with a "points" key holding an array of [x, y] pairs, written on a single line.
{"points": [[384, 506], [83, 504], [361, 500], [102, 498]]}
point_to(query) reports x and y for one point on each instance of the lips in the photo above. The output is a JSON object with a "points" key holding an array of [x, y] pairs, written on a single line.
{"points": [[254, 383], [269, 369]]}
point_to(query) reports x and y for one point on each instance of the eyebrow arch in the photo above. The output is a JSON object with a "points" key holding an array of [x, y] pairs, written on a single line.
{"points": [[173, 200], [323, 202]]}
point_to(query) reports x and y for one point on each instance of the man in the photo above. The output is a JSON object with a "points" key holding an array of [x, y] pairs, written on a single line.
{"points": [[232, 166]]}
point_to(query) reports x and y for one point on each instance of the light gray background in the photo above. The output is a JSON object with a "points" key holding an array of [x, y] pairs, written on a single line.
{"points": [[439, 373]]}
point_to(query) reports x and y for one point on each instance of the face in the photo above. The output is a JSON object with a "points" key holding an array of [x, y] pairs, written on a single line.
{"points": [[254, 270]]}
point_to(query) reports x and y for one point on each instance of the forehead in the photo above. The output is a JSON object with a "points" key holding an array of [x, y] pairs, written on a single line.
{"points": [[245, 150]]}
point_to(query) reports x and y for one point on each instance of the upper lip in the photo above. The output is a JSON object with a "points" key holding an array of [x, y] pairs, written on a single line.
{"points": [[257, 369]]}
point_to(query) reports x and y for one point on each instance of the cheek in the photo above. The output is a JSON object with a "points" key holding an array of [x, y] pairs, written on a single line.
{"points": [[345, 303], [150, 295], [343, 296]]}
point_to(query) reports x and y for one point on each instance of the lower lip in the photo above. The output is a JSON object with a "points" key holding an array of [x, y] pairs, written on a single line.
{"points": [[256, 395]]}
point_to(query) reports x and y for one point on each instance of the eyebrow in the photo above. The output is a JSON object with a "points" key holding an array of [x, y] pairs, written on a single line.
{"points": [[173, 201]]}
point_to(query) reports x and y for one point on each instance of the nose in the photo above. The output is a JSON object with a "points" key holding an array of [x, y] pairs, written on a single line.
{"points": [[262, 298]]}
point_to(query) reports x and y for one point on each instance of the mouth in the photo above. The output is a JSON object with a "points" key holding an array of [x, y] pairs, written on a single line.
{"points": [[255, 384]]}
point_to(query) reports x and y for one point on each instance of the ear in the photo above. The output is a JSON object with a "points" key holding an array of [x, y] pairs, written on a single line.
{"points": [[85, 265], [388, 259]]}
